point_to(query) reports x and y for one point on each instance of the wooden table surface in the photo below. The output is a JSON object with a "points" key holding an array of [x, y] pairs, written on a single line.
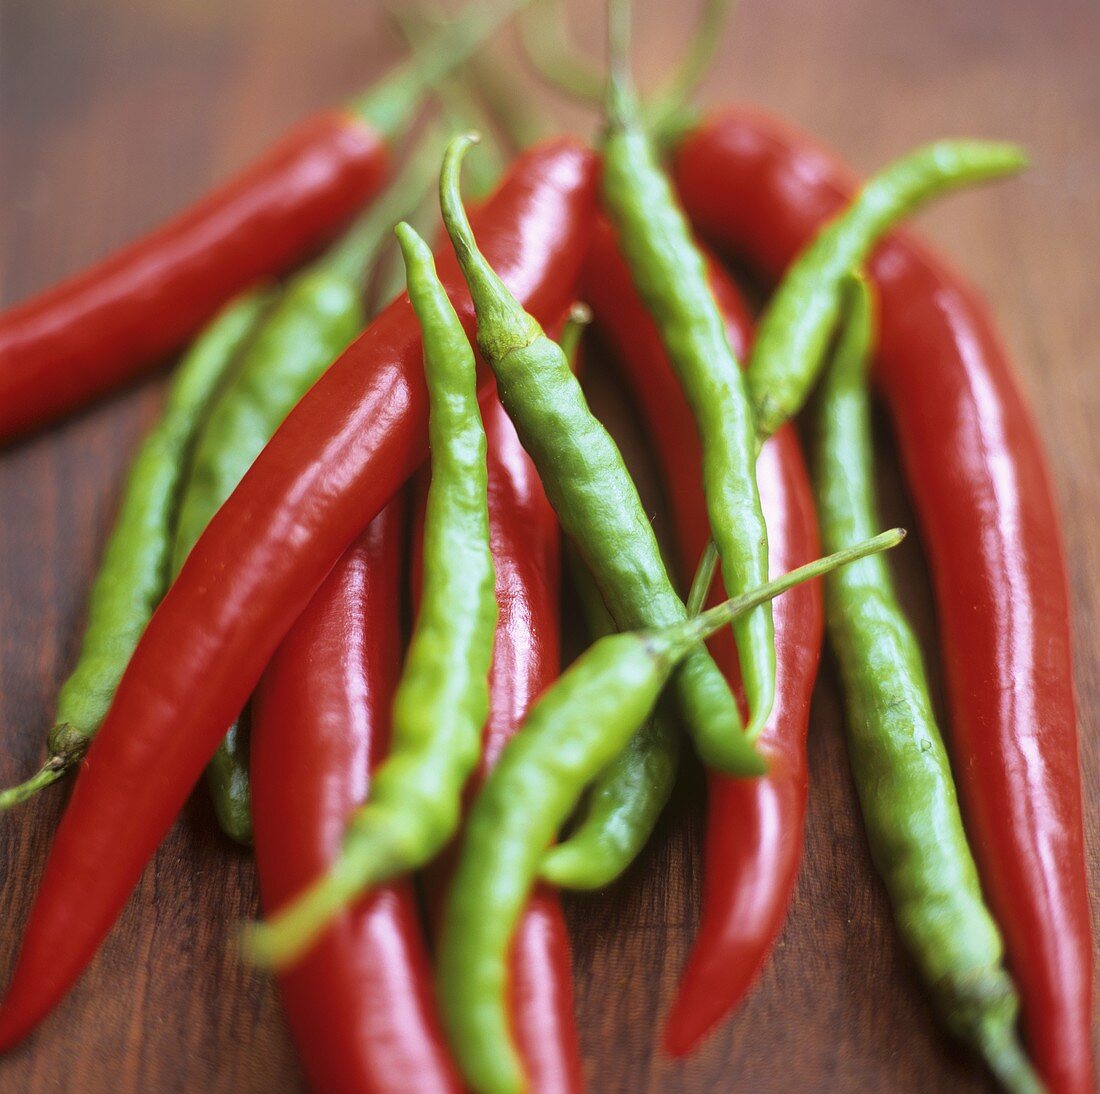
{"points": [[114, 113]]}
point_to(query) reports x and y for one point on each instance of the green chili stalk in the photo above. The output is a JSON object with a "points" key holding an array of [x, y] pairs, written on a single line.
{"points": [[135, 566], [625, 801], [899, 763], [656, 241], [442, 700], [574, 730], [627, 797], [389, 106], [554, 58], [794, 332], [462, 107], [320, 311], [587, 482], [542, 36]]}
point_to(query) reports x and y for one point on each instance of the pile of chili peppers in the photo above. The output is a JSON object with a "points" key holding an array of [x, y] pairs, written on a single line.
{"points": [[415, 806]]}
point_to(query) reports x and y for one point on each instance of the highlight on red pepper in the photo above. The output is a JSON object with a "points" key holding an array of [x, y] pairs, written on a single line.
{"points": [[422, 783]]}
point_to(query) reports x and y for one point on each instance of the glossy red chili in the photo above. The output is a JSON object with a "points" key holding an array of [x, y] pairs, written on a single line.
{"points": [[978, 478], [360, 1004], [754, 826], [337, 459], [104, 326], [525, 539]]}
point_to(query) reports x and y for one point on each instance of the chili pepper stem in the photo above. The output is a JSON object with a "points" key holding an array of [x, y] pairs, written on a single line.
{"points": [[52, 770], [702, 626], [389, 106], [671, 102], [554, 58]]}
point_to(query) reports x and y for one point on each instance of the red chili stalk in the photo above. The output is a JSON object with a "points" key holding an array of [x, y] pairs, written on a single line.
{"points": [[754, 826], [360, 1004], [342, 453], [526, 658], [979, 480]]}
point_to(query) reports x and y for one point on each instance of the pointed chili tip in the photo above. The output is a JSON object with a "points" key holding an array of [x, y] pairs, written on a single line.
{"points": [[410, 240], [502, 323], [580, 313]]}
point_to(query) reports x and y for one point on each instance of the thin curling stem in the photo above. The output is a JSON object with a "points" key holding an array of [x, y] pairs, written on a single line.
{"points": [[622, 104], [46, 775], [714, 619], [353, 254], [553, 57], [693, 68], [389, 106]]}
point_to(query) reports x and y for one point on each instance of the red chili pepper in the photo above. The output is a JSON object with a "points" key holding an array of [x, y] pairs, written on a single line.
{"points": [[754, 826], [360, 1004], [102, 327], [979, 480], [338, 458], [525, 539]]}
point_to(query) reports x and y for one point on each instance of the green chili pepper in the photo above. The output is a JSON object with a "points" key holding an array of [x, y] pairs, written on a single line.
{"points": [[898, 759], [587, 482], [319, 313], [795, 329], [574, 730], [669, 272], [627, 797], [442, 700], [134, 571]]}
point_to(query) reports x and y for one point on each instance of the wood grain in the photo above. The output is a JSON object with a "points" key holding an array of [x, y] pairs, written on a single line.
{"points": [[113, 113]]}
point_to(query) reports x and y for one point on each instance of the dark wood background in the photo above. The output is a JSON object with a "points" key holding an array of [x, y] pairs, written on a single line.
{"points": [[114, 113]]}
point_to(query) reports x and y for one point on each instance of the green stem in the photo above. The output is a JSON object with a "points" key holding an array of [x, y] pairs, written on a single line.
{"points": [[686, 634], [554, 58], [622, 102], [462, 108], [389, 106], [52, 770], [356, 250], [672, 101]]}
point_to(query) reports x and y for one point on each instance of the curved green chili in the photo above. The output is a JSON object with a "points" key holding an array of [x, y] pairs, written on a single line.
{"points": [[656, 241], [794, 331], [899, 764], [134, 571], [587, 482], [320, 311], [442, 700], [574, 730], [627, 797]]}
